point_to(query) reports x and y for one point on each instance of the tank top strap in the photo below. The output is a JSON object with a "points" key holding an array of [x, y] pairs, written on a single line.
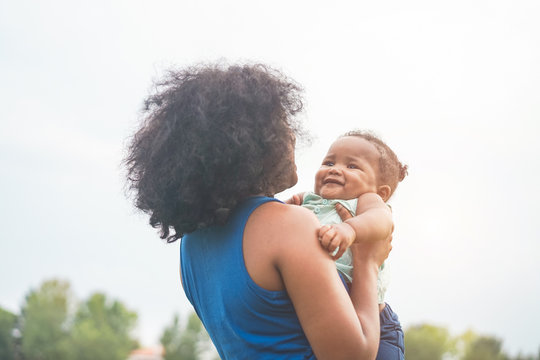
{"points": [[236, 226]]}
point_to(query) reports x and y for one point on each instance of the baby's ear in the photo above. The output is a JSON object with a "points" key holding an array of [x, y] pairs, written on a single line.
{"points": [[384, 192]]}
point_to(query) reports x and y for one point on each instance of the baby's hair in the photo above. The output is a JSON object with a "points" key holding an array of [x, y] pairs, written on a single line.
{"points": [[391, 170]]}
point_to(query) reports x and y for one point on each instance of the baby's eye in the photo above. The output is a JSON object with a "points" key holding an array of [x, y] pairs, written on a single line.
{"points": [[352, 166], [328, 163]]}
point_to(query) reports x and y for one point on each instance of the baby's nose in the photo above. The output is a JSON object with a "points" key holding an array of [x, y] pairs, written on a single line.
{"points": [[335, 170]]}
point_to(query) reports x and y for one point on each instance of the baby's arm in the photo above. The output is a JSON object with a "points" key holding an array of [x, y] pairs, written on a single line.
{"points": [[373, 221], [373, 218]]}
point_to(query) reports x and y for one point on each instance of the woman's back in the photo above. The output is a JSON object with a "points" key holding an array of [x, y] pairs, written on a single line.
{"points": [[244, 320]]}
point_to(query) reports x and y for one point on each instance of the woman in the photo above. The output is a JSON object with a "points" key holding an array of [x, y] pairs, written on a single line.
{"points": [[216, 144]]}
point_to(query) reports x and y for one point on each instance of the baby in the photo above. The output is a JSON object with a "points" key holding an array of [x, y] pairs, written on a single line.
{"points": [[358, 174]]}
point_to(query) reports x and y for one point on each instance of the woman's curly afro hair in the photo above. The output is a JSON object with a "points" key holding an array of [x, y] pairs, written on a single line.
{"points": [[211, 135]]}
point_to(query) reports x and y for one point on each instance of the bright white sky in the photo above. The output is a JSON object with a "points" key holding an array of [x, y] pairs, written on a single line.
{"points": [[453, 87]]}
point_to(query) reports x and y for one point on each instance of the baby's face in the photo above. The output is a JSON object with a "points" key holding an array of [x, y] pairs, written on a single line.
{"points": [[349, 169]]}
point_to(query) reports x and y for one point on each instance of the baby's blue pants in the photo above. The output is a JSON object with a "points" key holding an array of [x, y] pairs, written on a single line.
{"points": [[391, 346]]}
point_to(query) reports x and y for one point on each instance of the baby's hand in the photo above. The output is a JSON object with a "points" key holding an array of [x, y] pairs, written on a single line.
{"points": [[336, 236], [296, 199]]}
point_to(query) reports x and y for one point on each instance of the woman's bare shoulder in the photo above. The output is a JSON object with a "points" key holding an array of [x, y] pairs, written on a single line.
{"points": [[288, 230], [275, 234], [279, 217], [276, 208]]}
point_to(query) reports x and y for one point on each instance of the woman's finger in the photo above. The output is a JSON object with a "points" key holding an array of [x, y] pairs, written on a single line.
{"points": [[343, 213]]}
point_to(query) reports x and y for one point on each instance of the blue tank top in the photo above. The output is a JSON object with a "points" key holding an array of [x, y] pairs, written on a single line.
{"points": [[243, 320]]}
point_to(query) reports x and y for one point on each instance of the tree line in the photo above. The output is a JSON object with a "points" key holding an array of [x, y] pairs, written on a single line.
{"points": [[431, 342], [54, 325]]}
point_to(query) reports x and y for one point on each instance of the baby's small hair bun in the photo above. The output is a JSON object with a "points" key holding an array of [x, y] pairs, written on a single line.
{"points": [[403, 171]]}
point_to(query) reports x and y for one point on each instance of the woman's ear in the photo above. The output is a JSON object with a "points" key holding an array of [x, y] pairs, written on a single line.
{"points": [[384, 192]]}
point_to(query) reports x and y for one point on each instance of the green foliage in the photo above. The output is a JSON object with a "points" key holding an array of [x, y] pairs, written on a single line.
{"points": [[102, 328], [428, 342], [45, 322], [425, 341], [187, 343], [7, 324], [464, 342], [485, 348], [527, 357]]}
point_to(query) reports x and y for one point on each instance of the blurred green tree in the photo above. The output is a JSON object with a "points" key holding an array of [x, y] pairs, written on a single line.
{"points": [[102, 330], [8, 321], [464, 341], [45, 322], [485, 348], [187, 343], [428, 342], [520, 356]]}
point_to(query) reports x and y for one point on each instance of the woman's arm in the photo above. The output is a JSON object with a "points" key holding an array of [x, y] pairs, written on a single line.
{"points": [[282, 251]]}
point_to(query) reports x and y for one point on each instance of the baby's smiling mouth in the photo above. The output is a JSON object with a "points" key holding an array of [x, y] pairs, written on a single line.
{"points": [[332, 181]]}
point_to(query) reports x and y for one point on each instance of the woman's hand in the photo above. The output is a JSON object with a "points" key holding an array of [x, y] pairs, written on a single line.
{"points": [[371, 251], [343, 213]]}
